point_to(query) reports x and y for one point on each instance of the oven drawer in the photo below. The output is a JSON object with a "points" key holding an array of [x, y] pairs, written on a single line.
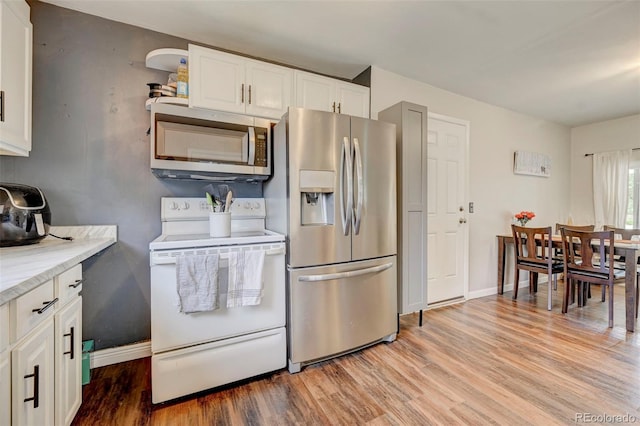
{"points": [[197, 368], [171, 329]]}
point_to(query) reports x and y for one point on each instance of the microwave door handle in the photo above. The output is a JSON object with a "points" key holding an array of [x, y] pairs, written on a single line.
{"points": [[252, 146]]}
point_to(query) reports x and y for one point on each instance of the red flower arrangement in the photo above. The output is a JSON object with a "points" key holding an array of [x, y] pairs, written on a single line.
{"points": [[523, 217]]}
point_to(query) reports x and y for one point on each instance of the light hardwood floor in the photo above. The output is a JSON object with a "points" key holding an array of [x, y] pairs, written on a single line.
{"points": [[489, 360]]}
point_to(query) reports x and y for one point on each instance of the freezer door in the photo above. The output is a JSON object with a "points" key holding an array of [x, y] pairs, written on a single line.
{"points": [[319, 166], [374, 231], [333, 309]]}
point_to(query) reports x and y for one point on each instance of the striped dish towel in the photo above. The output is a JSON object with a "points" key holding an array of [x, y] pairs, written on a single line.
{"points": [[245, 278]]}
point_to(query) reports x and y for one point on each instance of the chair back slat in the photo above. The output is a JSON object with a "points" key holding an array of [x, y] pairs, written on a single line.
{"points": [[559, 226], [623, 233], [532, 244]]}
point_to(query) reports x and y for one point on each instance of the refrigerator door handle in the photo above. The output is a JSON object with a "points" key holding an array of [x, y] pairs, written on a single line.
{"points": [[360, 179], [346, 212], [347, 274]]}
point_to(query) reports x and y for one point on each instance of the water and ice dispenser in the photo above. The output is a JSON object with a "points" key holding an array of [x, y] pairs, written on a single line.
{"points": [[317, 197]]}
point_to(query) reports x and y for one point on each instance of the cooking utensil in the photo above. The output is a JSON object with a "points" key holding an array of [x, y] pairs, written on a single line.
{"points": [[227, 202], [223, 190]]}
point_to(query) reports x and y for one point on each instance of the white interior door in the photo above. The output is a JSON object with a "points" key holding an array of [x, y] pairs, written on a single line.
{"points": [[447, 229]]}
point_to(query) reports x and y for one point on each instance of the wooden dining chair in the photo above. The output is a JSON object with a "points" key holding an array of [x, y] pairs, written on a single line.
{"points": [[588, 259], [557, 255], [559, 226], [534, 253], [626, 234]]}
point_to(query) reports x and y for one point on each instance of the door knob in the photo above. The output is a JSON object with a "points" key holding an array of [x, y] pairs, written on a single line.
{"points": [[461, 220]]}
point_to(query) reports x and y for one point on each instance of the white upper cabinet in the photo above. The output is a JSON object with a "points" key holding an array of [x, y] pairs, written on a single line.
{"points": [[226, 82], [327, 94], [270, 89], [15, 78], [353, 99]]}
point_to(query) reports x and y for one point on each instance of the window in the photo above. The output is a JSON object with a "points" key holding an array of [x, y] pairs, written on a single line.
{"points": [[633, 207]]}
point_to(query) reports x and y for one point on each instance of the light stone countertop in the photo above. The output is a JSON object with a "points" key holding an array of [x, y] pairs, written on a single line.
{"points": [[23, 268]]}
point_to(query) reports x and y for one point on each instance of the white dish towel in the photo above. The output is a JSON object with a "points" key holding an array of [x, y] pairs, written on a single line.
{"points": [[245, 278], [197, 282]]}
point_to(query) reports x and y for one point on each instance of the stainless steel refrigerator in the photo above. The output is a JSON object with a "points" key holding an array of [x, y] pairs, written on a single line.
{"points": [[333, 193]]}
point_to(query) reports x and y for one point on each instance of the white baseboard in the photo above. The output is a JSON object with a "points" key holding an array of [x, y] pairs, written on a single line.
{"points": [[120, 354], [486, 292], [507, 287]]}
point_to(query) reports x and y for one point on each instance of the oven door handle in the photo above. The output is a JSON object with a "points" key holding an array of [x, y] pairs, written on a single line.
{"points": [[171, 260]]}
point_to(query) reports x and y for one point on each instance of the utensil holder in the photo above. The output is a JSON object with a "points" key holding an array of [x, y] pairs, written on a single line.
{"points": [[220, 224]]}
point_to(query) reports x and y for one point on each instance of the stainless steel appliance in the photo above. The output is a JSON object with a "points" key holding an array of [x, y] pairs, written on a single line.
{"points": [[198, 351], [191, 143], [24, 215], [333, 193]]}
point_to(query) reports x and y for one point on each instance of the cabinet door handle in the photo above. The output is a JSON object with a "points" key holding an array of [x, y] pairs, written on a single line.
{"points": [[242, 93], [36, 386], [333, 107], [47, 306], [339, 108], [249, 94], [76, 284], [1, 105], [70, 334]]}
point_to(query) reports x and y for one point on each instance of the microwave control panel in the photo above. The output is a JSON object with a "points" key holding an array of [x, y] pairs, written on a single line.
{"points": [[261, 148]]}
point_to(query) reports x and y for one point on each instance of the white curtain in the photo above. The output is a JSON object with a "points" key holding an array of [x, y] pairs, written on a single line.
{"points": [[611, 187]]}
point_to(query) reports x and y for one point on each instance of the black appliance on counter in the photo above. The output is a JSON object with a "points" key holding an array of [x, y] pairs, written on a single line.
{"points": [[25, 217]]}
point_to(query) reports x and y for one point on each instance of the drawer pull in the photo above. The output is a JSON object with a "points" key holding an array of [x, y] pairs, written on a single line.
{"points": [[70, 334], [36, 386], [76, 284], [47, 306]]}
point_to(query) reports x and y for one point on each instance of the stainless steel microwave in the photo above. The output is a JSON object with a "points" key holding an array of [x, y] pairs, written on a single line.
{"points": [[190, 143]]}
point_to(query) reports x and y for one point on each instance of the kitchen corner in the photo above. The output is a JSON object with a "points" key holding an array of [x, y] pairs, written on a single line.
{"points": [[23, 268]]}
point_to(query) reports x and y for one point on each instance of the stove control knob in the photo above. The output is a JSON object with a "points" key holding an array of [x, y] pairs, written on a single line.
{"points": [[185, 206], [247, 205], [173, 206], [256, 205]]}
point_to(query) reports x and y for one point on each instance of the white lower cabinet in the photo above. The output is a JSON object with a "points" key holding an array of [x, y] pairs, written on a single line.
{"points": [[32, 377], [41, 367], [68, 361], [5, 388]]}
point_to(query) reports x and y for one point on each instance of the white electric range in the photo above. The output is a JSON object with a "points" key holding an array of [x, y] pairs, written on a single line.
{"points": [[199, 351]]}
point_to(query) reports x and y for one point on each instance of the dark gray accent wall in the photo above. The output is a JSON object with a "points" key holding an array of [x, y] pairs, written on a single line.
{"points": [[90, 156]]}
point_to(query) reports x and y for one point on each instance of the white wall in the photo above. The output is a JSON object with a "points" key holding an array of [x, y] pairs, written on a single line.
{"points": [[495, 133], [611, 135]]}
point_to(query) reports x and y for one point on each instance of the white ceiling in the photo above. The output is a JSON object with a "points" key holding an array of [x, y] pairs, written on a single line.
{"points": [[573, 62]]}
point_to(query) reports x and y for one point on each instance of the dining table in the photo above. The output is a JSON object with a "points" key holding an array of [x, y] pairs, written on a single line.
{"points": [[630, 249]]}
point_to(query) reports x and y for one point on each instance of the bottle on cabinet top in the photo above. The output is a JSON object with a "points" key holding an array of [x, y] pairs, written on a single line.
{"points": [[183, 80]]}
